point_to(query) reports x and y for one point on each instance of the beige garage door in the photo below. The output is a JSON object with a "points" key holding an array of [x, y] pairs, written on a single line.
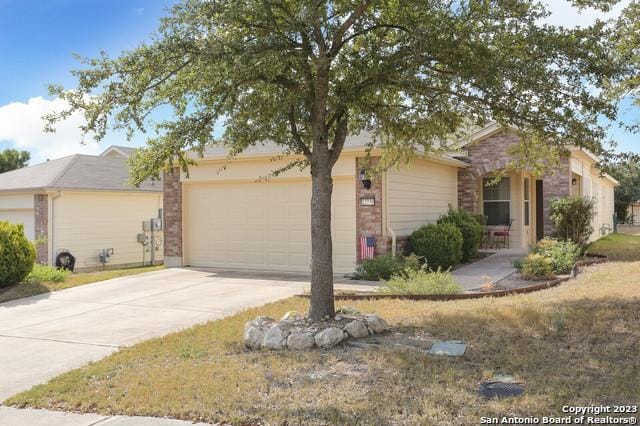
{"points": [[25, 217], [263, 225]]}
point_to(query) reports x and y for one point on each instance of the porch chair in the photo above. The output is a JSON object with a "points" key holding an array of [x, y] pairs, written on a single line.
{"points": [[503, 235], [487, 241]]}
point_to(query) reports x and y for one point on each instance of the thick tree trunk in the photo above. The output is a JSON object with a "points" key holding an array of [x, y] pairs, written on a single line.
{"points": [[321, 246]]}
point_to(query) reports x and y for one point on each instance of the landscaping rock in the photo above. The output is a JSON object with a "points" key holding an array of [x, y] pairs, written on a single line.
{"points": [[301, 341], [375, 323], [348, 311], [255, 330], [292, 316], [356, 329], [275, 337], [329, 337], [298, 332]]}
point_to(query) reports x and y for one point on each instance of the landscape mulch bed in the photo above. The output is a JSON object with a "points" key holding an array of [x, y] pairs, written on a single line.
{"points": [[592, 260]]}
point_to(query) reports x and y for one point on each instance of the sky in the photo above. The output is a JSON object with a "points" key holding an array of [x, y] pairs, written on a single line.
{"points": [[39, 37]]}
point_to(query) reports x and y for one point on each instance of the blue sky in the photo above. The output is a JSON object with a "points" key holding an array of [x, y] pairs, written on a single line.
{"points": [[38, 38]]}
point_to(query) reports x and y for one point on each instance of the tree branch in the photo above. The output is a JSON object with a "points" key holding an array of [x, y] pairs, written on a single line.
{"points": [[338, 140], [336, 42], [296, 135]]}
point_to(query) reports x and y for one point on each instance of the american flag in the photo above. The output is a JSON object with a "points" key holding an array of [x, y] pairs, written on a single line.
{"points": [[367, 247]]}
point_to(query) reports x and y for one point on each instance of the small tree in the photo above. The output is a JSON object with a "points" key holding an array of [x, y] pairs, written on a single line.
{"points": [[306, 74], [573, 218]]}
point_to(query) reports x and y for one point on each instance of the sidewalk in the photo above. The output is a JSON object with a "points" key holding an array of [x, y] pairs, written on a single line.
{"points": [[15, 416], [494, 268]]}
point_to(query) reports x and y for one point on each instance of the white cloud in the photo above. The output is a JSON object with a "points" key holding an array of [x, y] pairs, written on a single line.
{"points": [[22, 126], [563, 13]]}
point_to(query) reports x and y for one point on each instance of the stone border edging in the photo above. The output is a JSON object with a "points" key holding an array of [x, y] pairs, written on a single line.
{"points": [[595, 259]]}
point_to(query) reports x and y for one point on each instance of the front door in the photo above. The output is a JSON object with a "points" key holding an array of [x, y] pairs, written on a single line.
{"points": [[539, 210]]}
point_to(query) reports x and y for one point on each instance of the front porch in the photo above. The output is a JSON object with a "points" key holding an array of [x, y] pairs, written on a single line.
{"points": [[512, 205]]}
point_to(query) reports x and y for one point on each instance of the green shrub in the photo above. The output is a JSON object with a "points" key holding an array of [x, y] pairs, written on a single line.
{"points": [[439, 244], [572, 217], [17, 254], [42, 273], [536, 266], [384, 267], [470, 228], [421, 282], [562, 254]]}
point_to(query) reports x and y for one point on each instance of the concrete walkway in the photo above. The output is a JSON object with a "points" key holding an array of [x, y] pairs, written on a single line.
{"points": [[15, 416], [490, 269], [45, 335]]}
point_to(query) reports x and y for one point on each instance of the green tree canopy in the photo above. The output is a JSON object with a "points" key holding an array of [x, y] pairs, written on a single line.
{"points": [[627, 37], [11, 159], [628, 173], [305, 74]]}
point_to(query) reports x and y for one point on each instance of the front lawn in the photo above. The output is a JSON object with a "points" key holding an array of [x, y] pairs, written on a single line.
{"points": [[575, 345], [32, 288], [621, 247]]}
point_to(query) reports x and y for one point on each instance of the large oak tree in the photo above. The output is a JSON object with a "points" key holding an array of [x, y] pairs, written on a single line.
{"points": [[305, 74]]}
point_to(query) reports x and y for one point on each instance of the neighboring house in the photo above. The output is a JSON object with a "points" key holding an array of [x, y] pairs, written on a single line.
{"points": [[222, 216], [83, 204]]}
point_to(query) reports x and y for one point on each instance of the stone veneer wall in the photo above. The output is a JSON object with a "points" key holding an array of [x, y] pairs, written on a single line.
{"points": [[490, 154], [41, 222], [172, 220], [556, 184]]}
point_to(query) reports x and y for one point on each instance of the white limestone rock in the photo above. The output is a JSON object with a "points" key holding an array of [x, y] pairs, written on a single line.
{"points": [[329, 337], [301, 341], [356, 329], [375, 323], [255, 330], [275, 337]]}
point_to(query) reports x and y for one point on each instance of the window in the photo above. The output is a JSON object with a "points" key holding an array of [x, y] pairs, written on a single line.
{"points": [[497, 201], [526, 201]]}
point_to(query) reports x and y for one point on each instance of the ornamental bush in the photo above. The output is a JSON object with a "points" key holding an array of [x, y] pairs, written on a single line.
{"points": [[421, 282], [470, 228], [439, 244], [44, 273], [17, 254], [572, 217], [562, 254], [383, 267], [536, 266]]}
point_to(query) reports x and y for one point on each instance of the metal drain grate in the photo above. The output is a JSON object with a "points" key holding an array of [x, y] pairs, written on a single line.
{"points": [[491, 390]]}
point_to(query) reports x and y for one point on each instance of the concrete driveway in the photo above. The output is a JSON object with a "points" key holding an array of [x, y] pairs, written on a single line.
{"points": [[45, 335]]}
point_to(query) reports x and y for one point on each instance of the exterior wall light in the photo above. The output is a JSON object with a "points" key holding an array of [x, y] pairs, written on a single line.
{"points": [[366, 182]]}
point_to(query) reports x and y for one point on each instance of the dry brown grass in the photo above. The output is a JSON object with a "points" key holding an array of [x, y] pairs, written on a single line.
{"points": [[576, 344]]}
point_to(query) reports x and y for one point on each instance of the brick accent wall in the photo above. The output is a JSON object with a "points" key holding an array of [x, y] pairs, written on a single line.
{"points": [[490, 154], [369, 218], [41, 222], [486, 156], [172, 212], [555, 184]]}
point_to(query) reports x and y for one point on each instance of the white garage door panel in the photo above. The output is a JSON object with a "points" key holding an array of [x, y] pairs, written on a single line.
{"points": [[24, 217], [263, 225]]}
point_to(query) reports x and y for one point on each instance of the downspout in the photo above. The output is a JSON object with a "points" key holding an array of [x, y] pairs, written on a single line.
{"points": [[385, 215]]}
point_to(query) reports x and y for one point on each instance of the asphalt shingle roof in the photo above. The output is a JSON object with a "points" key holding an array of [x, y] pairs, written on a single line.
{"points": [[75, 172]]}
